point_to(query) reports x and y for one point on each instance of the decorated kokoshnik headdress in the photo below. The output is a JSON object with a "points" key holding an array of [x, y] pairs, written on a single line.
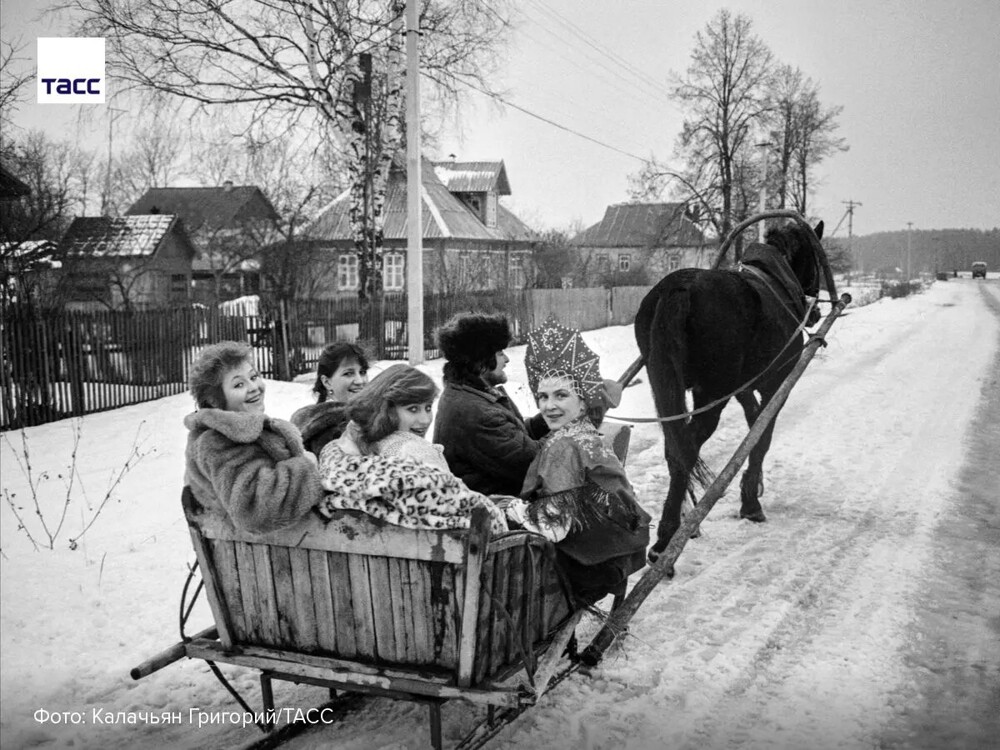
{"points": [[557, 351]]}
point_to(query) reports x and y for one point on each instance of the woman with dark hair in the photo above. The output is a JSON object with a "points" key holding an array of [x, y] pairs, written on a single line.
{"points": [[239, 461], [342, 372], [383, 464]]}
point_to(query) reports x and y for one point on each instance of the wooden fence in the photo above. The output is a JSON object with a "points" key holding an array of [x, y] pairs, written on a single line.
{"points": [[58, 365]]}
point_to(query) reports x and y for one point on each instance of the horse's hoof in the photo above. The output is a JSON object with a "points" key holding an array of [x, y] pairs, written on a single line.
{"points": [[590, 657], [757, 517], [653, 557]]}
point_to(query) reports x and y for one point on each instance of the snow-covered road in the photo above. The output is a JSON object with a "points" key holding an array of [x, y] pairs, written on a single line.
{"points": [[865, 613]]}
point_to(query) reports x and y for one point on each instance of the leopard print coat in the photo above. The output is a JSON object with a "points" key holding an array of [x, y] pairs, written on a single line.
{"points": [[400, 491]]}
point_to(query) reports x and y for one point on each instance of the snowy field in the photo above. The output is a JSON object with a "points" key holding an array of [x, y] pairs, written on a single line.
{"points": [[812, 630]]}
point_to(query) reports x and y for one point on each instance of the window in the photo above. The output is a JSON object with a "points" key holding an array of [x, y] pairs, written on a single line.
{"points": [[674, 262], [491, 209], [515, 271], [178, 286], [347, 271], [465, 268], [394, 272], [624, 262], [602, 260]]}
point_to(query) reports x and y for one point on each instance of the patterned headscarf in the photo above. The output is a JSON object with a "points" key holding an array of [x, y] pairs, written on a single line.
{"points": [[555, 350]]}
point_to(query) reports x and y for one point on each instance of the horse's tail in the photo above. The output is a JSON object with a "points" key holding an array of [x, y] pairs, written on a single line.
{"points": [[666, 354]]}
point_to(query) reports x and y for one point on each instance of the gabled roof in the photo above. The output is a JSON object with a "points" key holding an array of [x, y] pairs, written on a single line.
{"points": [[473, 176], [122, 236], [11, 186], [206, 207], [444, 215], [642, 225]]}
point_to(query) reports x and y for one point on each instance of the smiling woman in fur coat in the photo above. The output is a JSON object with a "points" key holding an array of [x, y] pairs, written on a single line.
{"points": [[250, 466]]}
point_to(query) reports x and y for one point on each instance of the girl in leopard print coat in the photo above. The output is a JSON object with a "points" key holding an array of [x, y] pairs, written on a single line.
{"points": [[383, 465]]}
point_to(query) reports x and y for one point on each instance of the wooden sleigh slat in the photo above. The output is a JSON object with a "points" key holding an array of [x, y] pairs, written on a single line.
{"points": [[354, 603]]}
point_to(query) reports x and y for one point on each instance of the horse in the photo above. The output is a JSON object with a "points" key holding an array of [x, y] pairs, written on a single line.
{"points": [[725, 333]]}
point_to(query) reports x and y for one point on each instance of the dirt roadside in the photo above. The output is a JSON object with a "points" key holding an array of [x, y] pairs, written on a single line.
{"points": [[954, 650]]}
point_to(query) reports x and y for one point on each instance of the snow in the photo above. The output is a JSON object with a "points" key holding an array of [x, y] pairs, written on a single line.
{"points": [[787, 634]]}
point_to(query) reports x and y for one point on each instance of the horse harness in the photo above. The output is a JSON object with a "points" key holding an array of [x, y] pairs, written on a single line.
{"points": [[764, 266]]}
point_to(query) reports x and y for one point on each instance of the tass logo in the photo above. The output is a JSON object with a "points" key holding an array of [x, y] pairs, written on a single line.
{"points": [[71, 70]]}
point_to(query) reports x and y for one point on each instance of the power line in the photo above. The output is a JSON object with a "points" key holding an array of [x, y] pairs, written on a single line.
{"points": [[546, 120], [638, 84], [614, 57]]}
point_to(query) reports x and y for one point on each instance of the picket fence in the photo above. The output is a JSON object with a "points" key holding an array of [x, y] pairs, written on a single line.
{"points": [[62, 364]]}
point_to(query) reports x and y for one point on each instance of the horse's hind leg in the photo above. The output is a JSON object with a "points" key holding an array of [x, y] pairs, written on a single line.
{"points": [[751, 408], [751, 486], [670, 518]]}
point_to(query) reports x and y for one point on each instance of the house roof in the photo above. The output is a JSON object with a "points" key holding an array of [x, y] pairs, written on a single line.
{"points": [[444, 215], [206, 207], [122, 236], [11, 186], [33, 252], [473, 176], [642, 225]]}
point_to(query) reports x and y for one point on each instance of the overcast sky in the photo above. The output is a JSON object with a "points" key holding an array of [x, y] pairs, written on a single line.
{"points": [[919, 81]]}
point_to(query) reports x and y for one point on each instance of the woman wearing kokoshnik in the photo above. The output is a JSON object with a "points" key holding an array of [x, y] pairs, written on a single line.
{"points": [[576, 492]]}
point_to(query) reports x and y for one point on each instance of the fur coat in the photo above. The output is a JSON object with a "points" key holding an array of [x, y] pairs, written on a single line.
{"points": [[251, 467], [400, 491], [320, 423], [487, 443]]}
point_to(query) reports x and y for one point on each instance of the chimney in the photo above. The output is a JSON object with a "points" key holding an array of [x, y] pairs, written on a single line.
{"points": [[227, 185]]}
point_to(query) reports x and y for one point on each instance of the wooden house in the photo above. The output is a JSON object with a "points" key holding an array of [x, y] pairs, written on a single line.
{"points": [[639, 243], [128, 261], [471, 242], [229, 225], [11, 186]]}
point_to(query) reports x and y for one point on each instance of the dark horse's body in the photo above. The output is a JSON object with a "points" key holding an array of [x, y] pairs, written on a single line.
{"points": [[713, 331]]}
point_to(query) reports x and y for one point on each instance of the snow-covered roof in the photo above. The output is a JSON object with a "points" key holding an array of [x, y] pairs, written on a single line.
{"points": [[119, 236]]}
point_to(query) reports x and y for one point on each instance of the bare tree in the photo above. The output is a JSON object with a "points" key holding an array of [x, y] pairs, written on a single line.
{"points": [[724, 94], [151, 153], [298, 59], [13, 81], [817, 140], [803, 135], [45, 166]]}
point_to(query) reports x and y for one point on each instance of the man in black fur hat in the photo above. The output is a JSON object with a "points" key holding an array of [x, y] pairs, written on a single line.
{"points": [[487, 443]]}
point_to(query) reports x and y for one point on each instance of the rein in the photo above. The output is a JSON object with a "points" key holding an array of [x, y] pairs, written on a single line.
{"points": [[798, 330]]}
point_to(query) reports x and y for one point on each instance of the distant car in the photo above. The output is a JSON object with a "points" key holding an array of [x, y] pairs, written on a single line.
{"points": [[979, 269]]}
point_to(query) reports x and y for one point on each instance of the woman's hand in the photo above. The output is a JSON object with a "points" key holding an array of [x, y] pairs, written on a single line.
{"points": [[503, 501]]}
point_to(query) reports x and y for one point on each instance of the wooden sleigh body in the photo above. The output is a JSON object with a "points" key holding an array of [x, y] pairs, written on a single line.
{"points": [[360, 605]]}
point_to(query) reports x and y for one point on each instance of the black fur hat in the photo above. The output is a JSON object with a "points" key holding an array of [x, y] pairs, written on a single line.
{"points": [[473, 338]]}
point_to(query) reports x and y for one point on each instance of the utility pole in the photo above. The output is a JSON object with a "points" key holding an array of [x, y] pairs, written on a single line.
{"points": [[764, 147], [113, 114], [909, 249], [414, 206], [851, 205]]}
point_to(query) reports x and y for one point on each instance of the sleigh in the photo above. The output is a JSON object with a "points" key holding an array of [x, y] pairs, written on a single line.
{"points": [[358, 605]]}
